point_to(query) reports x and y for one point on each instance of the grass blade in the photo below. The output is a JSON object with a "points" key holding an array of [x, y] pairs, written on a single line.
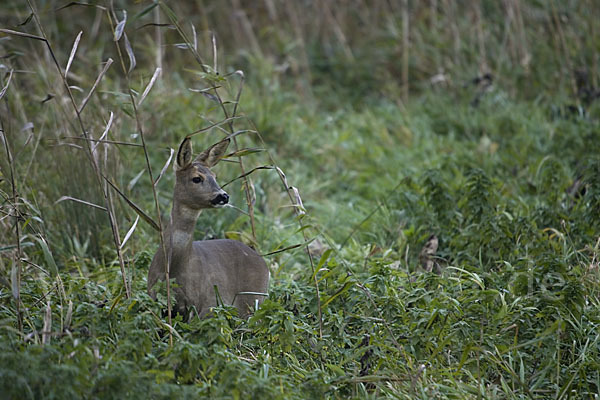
{"points": [[48, 257], [300, 210], [87, 203], [105, 133], [47, 329], [135, 179], [129, 49], [73, 51], [244, 152], [340, 291], [78, 3], [293, 246], [14, 281], [214, 125], [97, 141], [157, 72], [248, 173], [164, 168], [283, 177], [131, 204], [120, 27], [214, 45], [195, 37], [5, 88], [22, 34], [144, 11], [93, 89], [130, 232]]}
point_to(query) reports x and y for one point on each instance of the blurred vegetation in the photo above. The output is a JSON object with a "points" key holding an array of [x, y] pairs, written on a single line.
{"points": [[474, 125]]}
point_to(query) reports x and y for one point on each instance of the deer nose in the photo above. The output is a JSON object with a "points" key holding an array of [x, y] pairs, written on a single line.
{"points": [[221, 199]]}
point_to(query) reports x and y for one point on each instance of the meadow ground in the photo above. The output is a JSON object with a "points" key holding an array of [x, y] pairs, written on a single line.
{"points": [[373, 143]]}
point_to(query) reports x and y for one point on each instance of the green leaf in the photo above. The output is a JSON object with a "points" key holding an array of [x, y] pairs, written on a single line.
{"points": [[335, 369], [341, 291], [48, 257]]}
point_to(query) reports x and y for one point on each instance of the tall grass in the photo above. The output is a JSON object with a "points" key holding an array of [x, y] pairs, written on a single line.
{"points": [[361, 131]]}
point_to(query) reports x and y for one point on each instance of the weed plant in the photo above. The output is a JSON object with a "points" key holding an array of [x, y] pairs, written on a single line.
{"points": [[361, 132]]}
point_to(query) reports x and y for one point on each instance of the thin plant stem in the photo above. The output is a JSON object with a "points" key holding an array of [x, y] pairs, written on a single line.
{"points": [[563, 43], [152, 182], [221, 103], [15, 205], [375, 210], [300, 222], [405, 50], [96, 168]]}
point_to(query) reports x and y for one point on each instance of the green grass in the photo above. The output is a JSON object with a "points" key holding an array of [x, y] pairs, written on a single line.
{"points": [[489, 171]]}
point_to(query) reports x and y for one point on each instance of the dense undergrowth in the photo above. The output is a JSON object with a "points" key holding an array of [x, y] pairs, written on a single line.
{"points": [[502, 169]]}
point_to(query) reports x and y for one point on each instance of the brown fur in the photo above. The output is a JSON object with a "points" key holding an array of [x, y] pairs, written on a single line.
{"points": [[238, 273]]}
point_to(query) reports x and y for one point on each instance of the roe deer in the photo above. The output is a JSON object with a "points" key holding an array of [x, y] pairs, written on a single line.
{"points": [[207, 272]]}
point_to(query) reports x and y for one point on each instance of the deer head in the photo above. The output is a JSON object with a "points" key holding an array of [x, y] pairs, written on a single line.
{"points": [[195, 186]]}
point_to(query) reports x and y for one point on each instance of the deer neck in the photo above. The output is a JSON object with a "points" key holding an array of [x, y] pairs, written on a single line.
{"points": [[181, 234]]}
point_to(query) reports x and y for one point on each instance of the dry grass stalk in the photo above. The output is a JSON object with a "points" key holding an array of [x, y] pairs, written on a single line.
{"points": [[93, 89], [47, 329], [69, 317], [241, 15], [231, 118], [405, 50], [594, 32], [130, 232], [304, 68], [88, 148], [73, 51], [157, 72], [524, 56], [483, 65], [140, 129], [105, 133], [97, 141], [14, 205], [87, 203], [301, 222], [451, 16], [337, 30], [135, 207], [164, 168], [248, 186], [158, 39], [562, 44]]}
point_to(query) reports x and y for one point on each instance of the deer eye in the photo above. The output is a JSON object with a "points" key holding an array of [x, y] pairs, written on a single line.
{"points": [[197, 179]]}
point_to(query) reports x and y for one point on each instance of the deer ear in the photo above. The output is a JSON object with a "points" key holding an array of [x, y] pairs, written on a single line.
{"points": [[213, 154], [184, 155]]}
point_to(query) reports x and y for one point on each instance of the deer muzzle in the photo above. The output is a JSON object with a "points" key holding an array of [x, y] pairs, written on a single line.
{"points": [[220, 199]]}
